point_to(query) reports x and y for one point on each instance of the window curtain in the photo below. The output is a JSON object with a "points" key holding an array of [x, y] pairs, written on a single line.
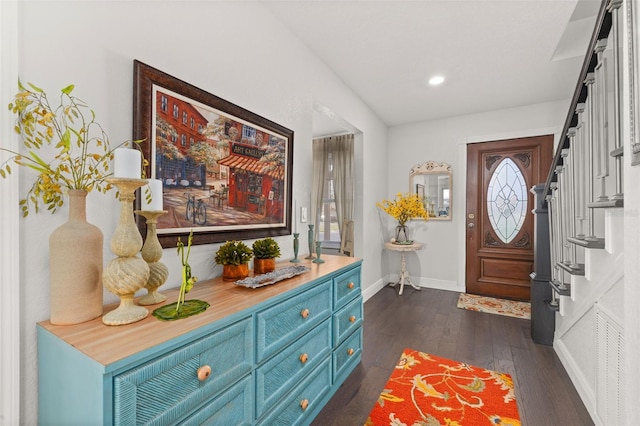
{"points": [[341, 149]]}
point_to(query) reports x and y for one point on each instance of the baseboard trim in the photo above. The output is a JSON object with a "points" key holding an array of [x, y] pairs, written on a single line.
{"points": [[370, 291], [440, 284], [422, 282], [577, 378], [431, 283]]}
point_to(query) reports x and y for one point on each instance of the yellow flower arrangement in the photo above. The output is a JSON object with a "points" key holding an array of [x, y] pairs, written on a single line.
{"points": [[404, 207]]}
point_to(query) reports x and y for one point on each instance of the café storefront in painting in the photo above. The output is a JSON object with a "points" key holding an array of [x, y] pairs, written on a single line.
{"points": [[256, 184]]}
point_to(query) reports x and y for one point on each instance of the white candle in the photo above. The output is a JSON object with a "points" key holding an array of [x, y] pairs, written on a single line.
{"points": [[127, 163], [295, 222], [155, 186]]}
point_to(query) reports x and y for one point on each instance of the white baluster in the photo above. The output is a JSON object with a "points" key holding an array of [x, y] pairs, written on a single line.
{"points": [[590, 162], [562, 213], [579, 174], [602, 141], [552, 243], [614, 6], [569, 161]]}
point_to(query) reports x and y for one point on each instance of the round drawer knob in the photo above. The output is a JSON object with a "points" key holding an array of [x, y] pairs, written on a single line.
{"points": [[304, 404], [204, 372], [351, 284], [304, 313], [304, 358], [350, 351], [352, 318]]}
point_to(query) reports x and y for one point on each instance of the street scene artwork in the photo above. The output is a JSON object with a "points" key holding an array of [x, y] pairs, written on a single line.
{"points": [[225, 171], [217, 171]]}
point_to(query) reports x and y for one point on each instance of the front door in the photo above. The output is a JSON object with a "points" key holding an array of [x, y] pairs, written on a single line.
{"points": [[499, 221]]}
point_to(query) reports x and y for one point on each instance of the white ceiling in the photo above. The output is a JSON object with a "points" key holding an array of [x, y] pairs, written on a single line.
{"points": [[494, 54]]}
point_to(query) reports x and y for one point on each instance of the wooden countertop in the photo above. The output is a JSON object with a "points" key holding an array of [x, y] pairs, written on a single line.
{"points": [[108, 344]]}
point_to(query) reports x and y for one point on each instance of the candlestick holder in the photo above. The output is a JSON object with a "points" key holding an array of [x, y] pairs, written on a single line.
{"points": [[318, 252], [310, 238], [152, 253], [127, 273], [296, 247]]}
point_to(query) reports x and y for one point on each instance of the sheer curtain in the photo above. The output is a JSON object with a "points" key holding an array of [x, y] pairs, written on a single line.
{"points": [[340, 150]]}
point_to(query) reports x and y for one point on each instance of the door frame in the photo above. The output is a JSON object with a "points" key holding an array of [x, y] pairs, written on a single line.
{"points": [[11, 359], [460, 192]]}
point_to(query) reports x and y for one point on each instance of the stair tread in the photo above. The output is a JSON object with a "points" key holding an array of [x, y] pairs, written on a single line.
{"points": [[598, 243], [557, 287]]}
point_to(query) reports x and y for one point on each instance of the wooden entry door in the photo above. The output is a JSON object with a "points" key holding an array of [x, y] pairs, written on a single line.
{"points": [[499, 222]]}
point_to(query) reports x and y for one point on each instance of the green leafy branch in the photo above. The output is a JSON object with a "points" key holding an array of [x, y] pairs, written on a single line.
{"points": [[82, 151]]}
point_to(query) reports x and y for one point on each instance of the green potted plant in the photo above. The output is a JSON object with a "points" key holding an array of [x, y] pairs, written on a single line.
{"points": [[234, 256], [265, 252]]}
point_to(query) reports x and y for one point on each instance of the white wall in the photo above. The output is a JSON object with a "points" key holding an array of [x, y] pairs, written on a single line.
{"points": [[234, 50], [440, 264]]}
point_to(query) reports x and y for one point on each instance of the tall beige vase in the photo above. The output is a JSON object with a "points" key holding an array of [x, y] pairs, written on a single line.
{"points": [[75, 266]]}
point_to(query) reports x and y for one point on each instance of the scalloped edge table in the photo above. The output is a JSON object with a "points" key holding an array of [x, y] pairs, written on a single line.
{"points": [[404, 274]]}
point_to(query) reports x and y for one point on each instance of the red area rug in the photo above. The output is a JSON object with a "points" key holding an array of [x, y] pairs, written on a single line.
{"points": [[427, 390], [490, 305]]}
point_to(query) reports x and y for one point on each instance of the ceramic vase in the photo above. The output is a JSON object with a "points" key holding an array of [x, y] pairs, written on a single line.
{"points": [[263, 266], [235, 272], [75, 266]]}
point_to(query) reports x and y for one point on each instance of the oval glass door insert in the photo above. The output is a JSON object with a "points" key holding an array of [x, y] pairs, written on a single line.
{"points": [[507, 200]]}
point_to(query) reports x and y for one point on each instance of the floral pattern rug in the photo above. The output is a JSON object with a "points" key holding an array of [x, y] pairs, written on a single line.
{"points": [[490, 305], [427, 390]]}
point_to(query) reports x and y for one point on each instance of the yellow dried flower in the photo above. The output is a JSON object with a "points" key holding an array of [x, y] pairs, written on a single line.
{"points": [[405, 207]]}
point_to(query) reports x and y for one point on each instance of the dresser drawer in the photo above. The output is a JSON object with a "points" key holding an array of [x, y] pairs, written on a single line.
{"points": [[164, 390], [346, 320], [281, 324], [233, 407], [345, 287], [286, 369], [302, 400], [347, 354]]}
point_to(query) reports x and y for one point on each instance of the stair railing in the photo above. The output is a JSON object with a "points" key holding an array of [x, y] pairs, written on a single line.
{"points": [[581, 182]]}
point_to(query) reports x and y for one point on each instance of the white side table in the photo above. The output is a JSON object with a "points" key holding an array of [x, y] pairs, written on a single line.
{"points": [[404, 275]]}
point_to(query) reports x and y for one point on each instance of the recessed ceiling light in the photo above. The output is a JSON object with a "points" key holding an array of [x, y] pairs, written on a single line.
{"points": [[436, 80]]}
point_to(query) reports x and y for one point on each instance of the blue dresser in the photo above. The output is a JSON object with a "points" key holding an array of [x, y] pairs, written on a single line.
{"points": [[268, 356]]}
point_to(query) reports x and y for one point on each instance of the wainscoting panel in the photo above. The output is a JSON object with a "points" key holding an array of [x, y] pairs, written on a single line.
{"points": [[609, 368]]}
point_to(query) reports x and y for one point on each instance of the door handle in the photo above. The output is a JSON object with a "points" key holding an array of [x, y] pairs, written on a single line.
{"points": [[471, 225]]}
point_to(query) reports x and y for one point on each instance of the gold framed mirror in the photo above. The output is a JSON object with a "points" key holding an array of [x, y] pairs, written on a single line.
{"points": [[433, 182]]}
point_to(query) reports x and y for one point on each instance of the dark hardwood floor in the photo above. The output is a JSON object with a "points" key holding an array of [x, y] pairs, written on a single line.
{"points": [[429, 321]]}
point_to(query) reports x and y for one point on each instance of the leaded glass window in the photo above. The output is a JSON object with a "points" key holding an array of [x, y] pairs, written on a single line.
{"points": [[507, 200]]}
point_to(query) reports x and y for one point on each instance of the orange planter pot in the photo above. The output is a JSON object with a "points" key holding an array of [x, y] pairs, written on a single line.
{"points": [[262, 266], [235, 272]]}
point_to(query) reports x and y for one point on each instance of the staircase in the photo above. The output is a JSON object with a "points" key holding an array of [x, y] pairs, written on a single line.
{"points": [[584, 199]]}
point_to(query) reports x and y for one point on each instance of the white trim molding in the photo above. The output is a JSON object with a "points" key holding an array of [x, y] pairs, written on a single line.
{"points": [[9, 226]]}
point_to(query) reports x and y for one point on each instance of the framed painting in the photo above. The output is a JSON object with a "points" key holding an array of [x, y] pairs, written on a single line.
{"points": [[226, 172]]}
